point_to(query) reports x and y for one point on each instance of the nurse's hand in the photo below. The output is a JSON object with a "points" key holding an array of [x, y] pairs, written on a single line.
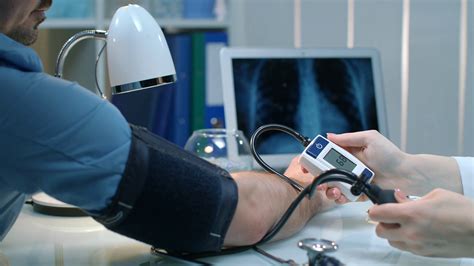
{"points": [[440, 224], [376, 152], [414, 174]]}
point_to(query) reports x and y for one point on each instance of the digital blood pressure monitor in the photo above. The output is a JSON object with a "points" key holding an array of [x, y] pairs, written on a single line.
{"points": [[322, 155]]}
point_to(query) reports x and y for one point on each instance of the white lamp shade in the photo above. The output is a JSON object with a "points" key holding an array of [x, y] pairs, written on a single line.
{"points": [[138, 56]]}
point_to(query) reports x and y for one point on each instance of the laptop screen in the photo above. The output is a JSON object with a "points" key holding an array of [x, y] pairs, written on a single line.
{"points": [[314, 91]]}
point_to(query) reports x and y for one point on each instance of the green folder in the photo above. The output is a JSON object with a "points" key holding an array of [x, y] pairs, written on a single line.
{"points": [[198, 83]]}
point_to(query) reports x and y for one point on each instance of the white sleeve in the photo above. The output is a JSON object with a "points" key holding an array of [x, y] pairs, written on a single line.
{"points": [[466, 168]]}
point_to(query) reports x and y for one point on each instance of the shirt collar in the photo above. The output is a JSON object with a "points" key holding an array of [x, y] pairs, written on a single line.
{"points": [[19, 56]]}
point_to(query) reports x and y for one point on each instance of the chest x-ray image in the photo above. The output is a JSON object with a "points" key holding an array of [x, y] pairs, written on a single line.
{"points": [[313, 96]]}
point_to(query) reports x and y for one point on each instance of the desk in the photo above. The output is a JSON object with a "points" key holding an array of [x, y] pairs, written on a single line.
{"points": [[37, 239]]}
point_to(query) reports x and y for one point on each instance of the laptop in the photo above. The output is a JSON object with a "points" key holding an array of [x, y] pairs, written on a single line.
{"points": [[314, 91]]}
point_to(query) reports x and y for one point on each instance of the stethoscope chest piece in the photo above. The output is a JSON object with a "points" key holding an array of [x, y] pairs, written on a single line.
{"points": [[317, 249]]}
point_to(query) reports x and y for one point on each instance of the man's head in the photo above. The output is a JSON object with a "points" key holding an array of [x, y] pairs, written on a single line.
{"points": [[19, 19]]}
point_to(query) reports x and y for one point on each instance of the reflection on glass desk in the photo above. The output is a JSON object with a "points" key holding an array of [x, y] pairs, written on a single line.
{"points": [[38, 239]]}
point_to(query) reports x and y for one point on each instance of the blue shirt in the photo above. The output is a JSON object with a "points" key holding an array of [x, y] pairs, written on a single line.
{"points": [[55, 136]]}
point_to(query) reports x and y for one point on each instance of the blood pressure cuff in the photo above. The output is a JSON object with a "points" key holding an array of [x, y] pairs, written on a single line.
{"points": [[170, 198]]}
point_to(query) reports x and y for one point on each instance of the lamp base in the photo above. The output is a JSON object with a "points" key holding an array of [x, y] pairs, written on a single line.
{"points": [[45, 204]]}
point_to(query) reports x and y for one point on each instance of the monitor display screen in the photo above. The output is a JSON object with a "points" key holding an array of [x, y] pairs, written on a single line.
{"points": [[311, 95], [339, 161]]}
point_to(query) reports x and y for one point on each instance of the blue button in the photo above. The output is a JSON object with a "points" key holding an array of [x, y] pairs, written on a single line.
{"points": [[366, 175], [317, 146]]}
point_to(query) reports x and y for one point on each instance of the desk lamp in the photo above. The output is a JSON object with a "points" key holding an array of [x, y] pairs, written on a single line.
{"points": [[138, 58]]}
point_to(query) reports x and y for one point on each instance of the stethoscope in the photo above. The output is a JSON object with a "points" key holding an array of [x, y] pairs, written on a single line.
{"points": [[317, 249]]}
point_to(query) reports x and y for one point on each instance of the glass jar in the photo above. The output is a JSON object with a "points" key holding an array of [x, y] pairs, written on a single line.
{"points": [[228, 149]]}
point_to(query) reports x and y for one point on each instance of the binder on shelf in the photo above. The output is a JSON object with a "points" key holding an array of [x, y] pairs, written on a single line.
{"points": [[162, 112], [180, 48], [206, 88], [151, 108], [214, 112], [138, 107], [198, 81]]}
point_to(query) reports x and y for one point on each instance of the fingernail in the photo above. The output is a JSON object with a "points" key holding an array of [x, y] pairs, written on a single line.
{"points": [[400, 194]]}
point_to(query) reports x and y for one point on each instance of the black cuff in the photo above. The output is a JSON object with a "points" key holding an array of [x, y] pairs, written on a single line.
{"points": [[170, 198]]}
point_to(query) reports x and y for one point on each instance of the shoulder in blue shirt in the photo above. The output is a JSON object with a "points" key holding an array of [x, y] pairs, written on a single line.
{"points": [[56, 136]]}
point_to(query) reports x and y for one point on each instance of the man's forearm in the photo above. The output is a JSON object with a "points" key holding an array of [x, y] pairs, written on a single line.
{"points": [[263, 198]]}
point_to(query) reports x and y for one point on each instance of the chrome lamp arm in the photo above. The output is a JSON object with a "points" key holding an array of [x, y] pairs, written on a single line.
{"points": [[80, 36]]}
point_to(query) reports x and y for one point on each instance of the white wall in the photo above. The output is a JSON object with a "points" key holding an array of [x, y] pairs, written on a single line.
{"points": [[434, 68], [369, 18], [468, 132], [430, 95], [250, 20]]}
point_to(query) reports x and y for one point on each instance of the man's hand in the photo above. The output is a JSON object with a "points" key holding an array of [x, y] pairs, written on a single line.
{"points": [[304, 178], [294, 171], [441, 224]]}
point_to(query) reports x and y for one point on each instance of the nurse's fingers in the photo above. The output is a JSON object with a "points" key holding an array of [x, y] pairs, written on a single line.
{"points": [[356, 139], [390, 232], [400, 245]]}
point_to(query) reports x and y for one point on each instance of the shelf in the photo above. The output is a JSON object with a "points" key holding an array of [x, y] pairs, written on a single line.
{"points": [[191, 24], [66, 23]]}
